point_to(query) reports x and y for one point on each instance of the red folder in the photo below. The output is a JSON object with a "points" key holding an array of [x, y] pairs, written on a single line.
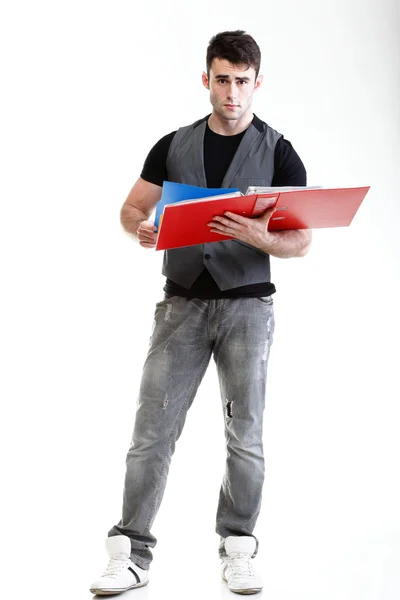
{"points": [[185, 223]]}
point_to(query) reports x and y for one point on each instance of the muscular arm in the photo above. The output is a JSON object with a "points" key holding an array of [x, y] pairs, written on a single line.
{"points": [[282, 244], [288, 244], [289, 170], [139, 205], [146, 192]]}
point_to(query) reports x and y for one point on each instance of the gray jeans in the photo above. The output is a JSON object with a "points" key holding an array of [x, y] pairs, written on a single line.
{"points": [[187, 332]]}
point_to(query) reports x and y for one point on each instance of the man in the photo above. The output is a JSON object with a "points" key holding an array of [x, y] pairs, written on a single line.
{"points": [[218, 302]]}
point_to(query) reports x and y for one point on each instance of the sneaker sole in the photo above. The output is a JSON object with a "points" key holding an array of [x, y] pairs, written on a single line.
{"points": [[248, 591], [111, 591]]}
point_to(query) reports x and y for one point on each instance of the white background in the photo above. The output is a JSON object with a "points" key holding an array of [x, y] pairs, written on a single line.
{"points": [[87, 89]]}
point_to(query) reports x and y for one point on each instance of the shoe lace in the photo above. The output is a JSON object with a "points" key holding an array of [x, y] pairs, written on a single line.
{"points": [[241, 565], [116, 564]]}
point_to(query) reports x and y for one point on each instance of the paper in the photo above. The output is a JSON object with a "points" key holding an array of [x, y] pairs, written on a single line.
{"points": [[173, 192]]}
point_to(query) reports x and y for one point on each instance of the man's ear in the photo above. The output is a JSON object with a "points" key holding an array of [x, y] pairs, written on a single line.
{"points": [[204, 79], [259, 81]]}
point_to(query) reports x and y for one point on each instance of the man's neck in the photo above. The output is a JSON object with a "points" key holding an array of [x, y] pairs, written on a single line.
{"points": [[229, 127]]}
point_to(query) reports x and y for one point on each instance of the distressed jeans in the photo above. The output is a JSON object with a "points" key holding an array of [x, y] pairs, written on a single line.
{"points": [[238, 333]]}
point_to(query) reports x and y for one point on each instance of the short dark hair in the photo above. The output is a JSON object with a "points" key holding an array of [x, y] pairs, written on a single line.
{"points": [[237, 47]]}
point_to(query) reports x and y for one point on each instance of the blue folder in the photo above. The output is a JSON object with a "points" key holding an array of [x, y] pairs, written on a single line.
{"points": [[176, 192]]}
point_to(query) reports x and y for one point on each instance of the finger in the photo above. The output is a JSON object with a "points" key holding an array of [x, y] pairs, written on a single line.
{"points": [[267, 214], [217, 227], [223, 231], [147, 224], [245, 220], [236, 218], [149, 230], [222, 222], [145, 235]]}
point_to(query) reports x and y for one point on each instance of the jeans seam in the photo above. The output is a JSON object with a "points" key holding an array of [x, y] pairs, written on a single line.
{"points": [[225, 503], [224, 509], [169, 443]]}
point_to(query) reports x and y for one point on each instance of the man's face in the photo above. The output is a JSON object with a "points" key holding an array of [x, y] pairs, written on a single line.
{"points": [[231, 88]]}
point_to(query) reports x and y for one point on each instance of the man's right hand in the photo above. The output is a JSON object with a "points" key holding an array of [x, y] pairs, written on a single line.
{"points": [[147, 234]]}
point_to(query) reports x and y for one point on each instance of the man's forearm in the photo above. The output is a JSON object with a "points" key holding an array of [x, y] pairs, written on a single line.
{"points": [[131, 217], [288, 243]]}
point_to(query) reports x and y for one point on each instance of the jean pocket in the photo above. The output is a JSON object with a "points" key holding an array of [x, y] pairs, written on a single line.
{"points": [[266, 300], [167, 298]]}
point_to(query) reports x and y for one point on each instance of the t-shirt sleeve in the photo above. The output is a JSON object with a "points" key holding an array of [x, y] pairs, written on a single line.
{"points": [[155, 166], [288, 167]]}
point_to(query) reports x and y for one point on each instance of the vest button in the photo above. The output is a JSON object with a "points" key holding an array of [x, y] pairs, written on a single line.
{"points": [[207, 256]]}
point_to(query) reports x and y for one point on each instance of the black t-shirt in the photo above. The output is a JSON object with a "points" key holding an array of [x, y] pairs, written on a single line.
{"points": [[218, 153]]}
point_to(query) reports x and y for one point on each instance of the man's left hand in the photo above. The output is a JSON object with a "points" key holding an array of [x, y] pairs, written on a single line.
{"points": [[252, 231]]}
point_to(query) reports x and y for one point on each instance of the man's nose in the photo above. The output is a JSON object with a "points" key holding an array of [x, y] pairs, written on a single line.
{"points": [[232, 91]]}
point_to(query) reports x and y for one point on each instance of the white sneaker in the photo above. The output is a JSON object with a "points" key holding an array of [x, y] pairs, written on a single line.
{"points": [[121, 573], [237, 569]]}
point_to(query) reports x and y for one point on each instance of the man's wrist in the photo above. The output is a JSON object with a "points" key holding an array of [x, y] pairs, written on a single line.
{"points": [[287, 244]]}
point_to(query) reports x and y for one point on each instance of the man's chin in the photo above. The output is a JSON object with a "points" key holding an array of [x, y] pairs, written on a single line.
{"points": [[230, 115]]}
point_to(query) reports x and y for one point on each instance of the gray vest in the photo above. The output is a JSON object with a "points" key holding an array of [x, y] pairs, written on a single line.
{"points": [[231, 263]]}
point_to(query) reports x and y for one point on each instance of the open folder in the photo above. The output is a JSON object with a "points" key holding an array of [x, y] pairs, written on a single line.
{"points": [[185, 222], [177, 192]]}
